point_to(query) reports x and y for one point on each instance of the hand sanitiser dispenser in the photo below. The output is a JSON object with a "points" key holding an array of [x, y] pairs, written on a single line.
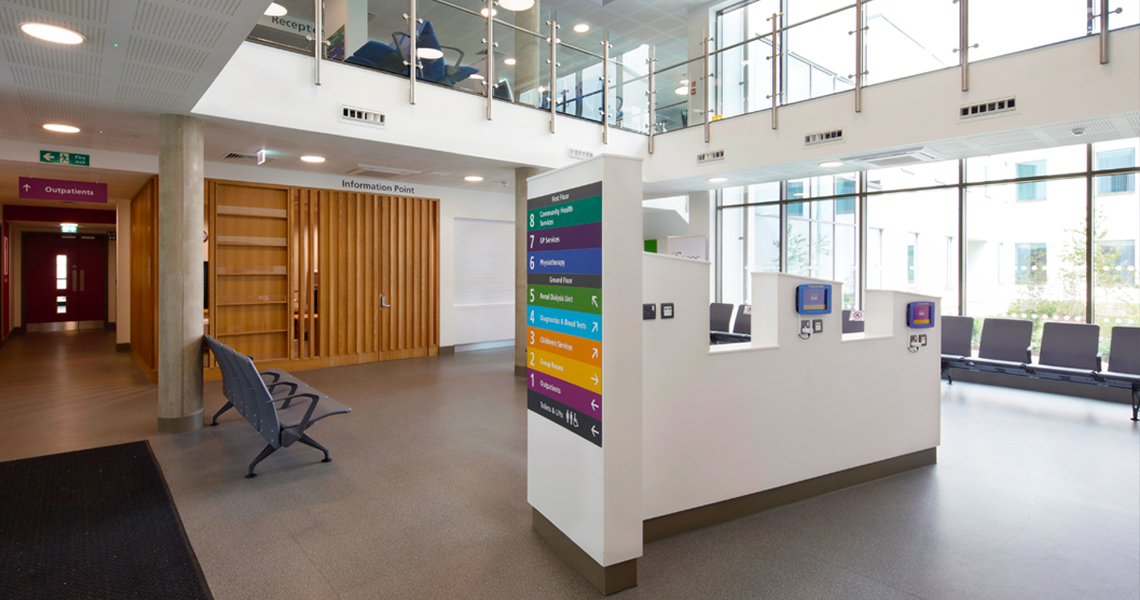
{"points": [[813, 299]]}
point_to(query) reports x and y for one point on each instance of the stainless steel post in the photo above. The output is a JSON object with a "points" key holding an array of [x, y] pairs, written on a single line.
{"points": [[490, 56], [859, 70], [1090, 233], [413, 56], [963, 49], [652, 98], [1104, 32], [708, 78], [606, 90], [553, 68], [318, 40], [775, 19]]}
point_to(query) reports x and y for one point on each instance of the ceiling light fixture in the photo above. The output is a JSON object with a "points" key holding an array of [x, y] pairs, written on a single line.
{"points": [[311, 158], [682, 90], [516, 5], [476, 77], [276, 10], [473, 178], [830, 164], [510, 62], [581, 28], [51, 33], [56, 127], [484, 12], [429, 53], [717, 179]]}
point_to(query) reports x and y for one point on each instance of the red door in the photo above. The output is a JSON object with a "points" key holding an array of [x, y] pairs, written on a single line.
{"points": [[65, 278]]}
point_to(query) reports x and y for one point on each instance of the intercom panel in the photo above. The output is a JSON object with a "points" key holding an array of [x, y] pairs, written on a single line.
{"points": [[813, 299], [920, 315]]}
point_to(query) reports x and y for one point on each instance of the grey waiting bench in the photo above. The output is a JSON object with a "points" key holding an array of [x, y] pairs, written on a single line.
{"points": [[281, 416], [1068, 353]]}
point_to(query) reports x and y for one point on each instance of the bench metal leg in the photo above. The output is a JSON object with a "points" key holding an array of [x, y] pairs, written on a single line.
{"points": [[228, 406], [260, 457], [1135, 402], [310, 442]]}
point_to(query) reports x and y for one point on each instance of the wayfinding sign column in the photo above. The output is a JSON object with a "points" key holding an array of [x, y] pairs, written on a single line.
{"points": [[564, 309]]}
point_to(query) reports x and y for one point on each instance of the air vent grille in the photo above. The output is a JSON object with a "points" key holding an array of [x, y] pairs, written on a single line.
{"points": [[577, 154], [709, 157], [237, 156], [988, 107], [352, 114], [824, 137]]}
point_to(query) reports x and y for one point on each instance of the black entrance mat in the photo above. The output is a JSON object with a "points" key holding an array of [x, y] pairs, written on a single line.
{"points": [[93, 524]]}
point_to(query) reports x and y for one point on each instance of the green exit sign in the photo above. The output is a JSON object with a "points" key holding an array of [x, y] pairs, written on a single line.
{"points": [[65, 158]]}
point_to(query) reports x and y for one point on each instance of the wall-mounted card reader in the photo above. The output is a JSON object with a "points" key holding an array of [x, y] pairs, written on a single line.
{"points": [[920, 315], [813, 299]]}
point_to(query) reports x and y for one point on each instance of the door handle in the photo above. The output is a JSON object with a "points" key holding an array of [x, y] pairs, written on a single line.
{"points": [[384, 302]]}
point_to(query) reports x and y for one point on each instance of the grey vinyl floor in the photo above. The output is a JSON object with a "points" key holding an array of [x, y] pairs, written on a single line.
{"points": [[1035, 496]]}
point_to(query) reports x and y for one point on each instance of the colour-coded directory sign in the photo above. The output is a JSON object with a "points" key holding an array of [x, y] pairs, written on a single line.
{"points": [[564, 309]]}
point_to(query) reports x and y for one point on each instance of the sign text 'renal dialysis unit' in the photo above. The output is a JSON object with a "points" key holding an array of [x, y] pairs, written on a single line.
{"points": [[564, 309]]}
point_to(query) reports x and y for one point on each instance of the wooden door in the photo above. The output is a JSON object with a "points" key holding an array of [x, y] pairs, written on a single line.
{"points": [[409, 278]]}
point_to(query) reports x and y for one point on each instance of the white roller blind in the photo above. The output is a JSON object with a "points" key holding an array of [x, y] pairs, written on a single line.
{"points": [[484, 262]]}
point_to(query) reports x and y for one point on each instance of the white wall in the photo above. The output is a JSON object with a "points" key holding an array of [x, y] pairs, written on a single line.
{"points": [[456, 325], [724, 423]]}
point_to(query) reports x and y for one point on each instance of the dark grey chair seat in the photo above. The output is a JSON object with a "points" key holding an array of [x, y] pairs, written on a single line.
{"points": [[1006, 340]]}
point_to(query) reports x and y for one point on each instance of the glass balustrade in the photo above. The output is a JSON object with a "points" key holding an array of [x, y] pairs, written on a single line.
{"points": [[908, 37], [819, 57], [288, 24], [629, 83], [1006, 26]]}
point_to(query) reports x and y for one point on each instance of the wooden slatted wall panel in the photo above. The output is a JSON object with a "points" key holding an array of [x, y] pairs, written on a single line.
{"points": [[346, 250], [144, 278]]}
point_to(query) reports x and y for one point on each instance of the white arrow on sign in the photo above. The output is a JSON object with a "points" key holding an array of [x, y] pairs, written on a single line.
{"points": [[27, 187], [595, 327], [49, 156], [595, 353], [594, 430], [595, 378], [594, 403], [595, 300]]}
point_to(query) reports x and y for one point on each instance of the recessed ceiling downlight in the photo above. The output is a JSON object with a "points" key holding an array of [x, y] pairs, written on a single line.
{"points": [[516, 5], [429, 53], [60, 128], [510, 62], [276, 10], [473, 178], [310, 158], [830, 164], [717, 179], [581, 28], [51, 33]]}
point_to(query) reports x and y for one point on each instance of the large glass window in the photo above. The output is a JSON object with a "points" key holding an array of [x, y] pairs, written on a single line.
{"points": [[1116, 159], [912, 243], [1042, 245], [1116, 235], [1047, 161], [750, 238], [1031, 190], [819, 56]]}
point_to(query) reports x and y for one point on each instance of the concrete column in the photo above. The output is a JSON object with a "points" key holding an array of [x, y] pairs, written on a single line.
{"points": [[181, 202], [521, 175]]}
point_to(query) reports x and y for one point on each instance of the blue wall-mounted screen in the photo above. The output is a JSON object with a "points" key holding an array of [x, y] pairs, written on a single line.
{"points": [[920, 315], [813, 299]]}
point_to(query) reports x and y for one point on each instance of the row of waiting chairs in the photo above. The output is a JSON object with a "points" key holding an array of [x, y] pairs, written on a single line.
{"points": [[1069, 352]]}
